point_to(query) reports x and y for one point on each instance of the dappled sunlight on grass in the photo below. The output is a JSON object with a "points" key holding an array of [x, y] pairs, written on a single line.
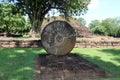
{"points": [[20, 51], [17, 63], [24, 69]]}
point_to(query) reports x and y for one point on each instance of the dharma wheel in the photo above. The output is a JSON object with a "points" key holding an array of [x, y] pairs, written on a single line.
{"points": [[58, 38]]}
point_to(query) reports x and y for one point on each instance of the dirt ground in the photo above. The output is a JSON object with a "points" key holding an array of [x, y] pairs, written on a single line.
{"points": [[66, 67]]}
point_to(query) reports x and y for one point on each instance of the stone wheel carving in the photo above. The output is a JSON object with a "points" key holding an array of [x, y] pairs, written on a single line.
{"points": [[58, 38]]}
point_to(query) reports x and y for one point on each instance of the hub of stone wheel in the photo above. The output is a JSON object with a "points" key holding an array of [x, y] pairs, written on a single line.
{"points": [[58, 38]]}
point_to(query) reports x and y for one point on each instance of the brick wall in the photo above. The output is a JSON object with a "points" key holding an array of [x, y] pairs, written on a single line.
{"points": [[19, 43], [37, 43], [97, 44]]}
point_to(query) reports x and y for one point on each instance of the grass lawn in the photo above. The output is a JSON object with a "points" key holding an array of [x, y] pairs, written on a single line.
{"points": [[106, 58], [18, 63]]}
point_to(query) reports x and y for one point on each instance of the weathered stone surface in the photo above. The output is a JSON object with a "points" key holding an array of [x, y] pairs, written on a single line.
{"points": [[19, 43], [58, 38]]}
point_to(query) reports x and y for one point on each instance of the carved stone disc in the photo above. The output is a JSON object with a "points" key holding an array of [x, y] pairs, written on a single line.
{"points": [[58, 38]]}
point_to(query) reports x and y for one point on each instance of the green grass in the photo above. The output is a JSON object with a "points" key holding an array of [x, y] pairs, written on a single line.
{"points": [[106, 58], [18, 63]]}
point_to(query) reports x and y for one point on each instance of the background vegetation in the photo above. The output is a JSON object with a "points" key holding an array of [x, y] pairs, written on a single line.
{"points": [[12, 21], [106, 27]]}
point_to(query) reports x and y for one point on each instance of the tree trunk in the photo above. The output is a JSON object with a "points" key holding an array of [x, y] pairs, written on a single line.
{"points": [[35, 30], [36, 22]]}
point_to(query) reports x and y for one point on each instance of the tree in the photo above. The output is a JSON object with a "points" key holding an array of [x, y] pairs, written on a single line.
{"points": [[10, 22], [37, 9], [97, 28], [107, 27], [108, 23], [94, 24], [82, 20]]}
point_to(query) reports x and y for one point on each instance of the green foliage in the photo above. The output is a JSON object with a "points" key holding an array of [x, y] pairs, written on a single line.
{"points": [[37, 9], [10, 22], [108, 24], [96, 27], [94, 24], [107, 27]]}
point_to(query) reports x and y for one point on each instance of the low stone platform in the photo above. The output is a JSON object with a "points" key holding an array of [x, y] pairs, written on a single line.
{"points": [[66, 67]]}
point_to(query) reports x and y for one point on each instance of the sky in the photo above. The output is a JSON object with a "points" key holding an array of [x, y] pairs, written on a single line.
{"points": [[102, 9]]}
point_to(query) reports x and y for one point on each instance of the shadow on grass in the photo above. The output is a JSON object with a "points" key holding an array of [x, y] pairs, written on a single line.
{"points": [[113, 52], [112, 66], [17, 63]]}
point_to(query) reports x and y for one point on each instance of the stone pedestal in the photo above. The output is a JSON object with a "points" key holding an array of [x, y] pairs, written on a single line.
{"points": [[66, 67]]}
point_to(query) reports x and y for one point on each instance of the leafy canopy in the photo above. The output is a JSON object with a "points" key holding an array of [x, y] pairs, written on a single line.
{"points": [[10, 22], [108, 27], [37, 9]]}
